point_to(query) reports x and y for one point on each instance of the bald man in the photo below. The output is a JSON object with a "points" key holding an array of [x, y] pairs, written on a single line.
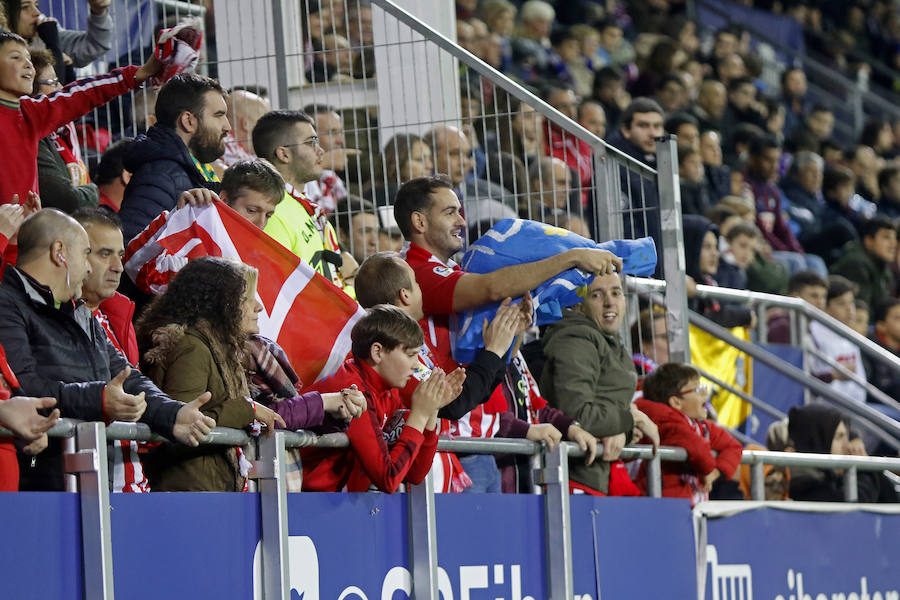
{"points": [[61, 351], [482, 200], [244, 110]]}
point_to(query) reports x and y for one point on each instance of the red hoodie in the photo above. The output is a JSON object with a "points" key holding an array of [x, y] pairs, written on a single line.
{"points": [[700, 437], [368, 461]]}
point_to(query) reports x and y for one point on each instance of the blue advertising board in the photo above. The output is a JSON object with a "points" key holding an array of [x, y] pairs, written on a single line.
{"points": [[775, 554]]}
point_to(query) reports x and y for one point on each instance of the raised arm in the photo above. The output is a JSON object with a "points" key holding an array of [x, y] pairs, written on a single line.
{"points": [[477, 289]]}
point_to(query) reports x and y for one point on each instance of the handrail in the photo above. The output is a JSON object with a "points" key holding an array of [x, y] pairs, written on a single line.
{"points": [[293, 439], [883, 104], [641, 284], [508, 85], [882, 425], [855, 378]]}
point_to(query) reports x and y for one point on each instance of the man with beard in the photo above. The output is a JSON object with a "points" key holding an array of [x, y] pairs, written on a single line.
{"points": [[174, 155]]}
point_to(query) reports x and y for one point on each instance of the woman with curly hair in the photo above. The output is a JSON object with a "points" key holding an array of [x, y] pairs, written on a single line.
{"points": [[192, 337]]}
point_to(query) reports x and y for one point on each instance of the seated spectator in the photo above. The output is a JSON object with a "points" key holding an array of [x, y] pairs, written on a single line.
{"points": [[30, 119], [737, 149], [710, 106], [889, 185], [671, 93], [330, 188], [483, 201], [838, 223], [524, 137], [609, 91], [244, 110], [550, 181], [675, 401], [886, 333], [743, 106], [793, 95], [64, 353], [62, 175], [762, 174], [532, 36], [590, 377], [865, 164], [861, 318], [742, 240], [357, 226], [508, 171], [878, 135], [387, 445], [803, 188], [701, 254], [574, 152], [174, 155], [649, 341], [592, 117], [696, 197], [684, 126], [192, 339], [840, 304], [405, 157], [718, 176], [333, 59], [616, 48], [75, 49], [868, 262], [822, 430], [565, 64], [110, 175], [809, 286]]}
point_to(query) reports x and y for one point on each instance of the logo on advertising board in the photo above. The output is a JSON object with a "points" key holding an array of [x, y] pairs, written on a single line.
{"points": [[303, 569]]}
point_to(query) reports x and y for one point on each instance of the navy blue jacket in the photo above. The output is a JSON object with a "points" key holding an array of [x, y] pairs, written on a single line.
{"points": [[161, 169]]}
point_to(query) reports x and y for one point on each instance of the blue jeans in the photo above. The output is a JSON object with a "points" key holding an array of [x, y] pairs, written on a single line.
{"points": [[482, 469], [795, 261]]}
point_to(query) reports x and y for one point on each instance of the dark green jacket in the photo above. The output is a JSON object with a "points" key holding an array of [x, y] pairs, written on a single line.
{"points": [[182, 365], [589, 376], [55, 183], [871, 274]]}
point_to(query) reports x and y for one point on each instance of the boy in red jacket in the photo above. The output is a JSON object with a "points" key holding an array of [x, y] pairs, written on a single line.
{"points": [[675, 400], [387, 445], [25, 120]]}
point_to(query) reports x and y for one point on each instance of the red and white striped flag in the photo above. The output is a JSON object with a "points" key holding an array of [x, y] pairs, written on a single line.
{"points": [[305, 313]]}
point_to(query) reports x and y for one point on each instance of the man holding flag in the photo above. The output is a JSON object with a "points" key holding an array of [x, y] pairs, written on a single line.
{"points": [[428, 214]]}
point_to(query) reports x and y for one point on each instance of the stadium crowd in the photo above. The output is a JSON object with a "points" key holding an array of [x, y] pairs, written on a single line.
{"points": [[771, 203]]}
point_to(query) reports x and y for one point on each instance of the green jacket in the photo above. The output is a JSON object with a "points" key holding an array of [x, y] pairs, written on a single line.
{"points": [[182, 365], [589, 375], [55, 182], [871, 274]]}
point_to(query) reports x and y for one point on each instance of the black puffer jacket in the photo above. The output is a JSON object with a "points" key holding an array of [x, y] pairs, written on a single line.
{"points": [[64, 353], [161, 168]]}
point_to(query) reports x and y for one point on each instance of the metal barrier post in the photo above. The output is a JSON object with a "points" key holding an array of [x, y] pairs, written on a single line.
{"points": [[90, 466], [673, 248], [654, 477], [423, 539], [851, 491], [757, 481], [273, 506], [762, 326], [281, 87], [558, 524]]}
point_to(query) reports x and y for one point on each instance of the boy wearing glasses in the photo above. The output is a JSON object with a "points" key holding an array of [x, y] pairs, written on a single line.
{"points": [[675, 400]]}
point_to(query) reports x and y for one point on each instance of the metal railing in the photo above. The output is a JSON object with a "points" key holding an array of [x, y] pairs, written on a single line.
{"points": [[89, 463]]}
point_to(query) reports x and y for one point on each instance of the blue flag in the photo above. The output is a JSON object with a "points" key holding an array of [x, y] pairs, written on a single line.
{"points": [[517, 241]]}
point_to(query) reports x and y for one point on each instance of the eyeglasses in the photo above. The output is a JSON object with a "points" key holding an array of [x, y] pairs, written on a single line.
{"points": [[701, 389], [47, 81], [312, 142]]}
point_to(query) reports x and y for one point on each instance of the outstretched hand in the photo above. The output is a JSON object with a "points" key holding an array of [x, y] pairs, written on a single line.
{"points": [[119, 405], [20, 415], [191, 425]]}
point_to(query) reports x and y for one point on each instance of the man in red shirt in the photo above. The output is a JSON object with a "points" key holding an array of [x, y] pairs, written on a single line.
{"points": [[428, 214]]}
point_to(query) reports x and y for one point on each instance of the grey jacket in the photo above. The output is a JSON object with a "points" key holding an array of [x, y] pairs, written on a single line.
{"points": [[84, 47]]}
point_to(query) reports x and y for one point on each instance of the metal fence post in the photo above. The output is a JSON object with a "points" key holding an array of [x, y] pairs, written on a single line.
{"points": [[758, 481], [673, 248], [274, 518], [423, 539], [281, 82], [654, 477], [851, 492], [90, 466], [558, 524]]}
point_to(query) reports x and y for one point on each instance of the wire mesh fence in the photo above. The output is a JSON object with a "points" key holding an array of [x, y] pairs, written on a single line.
{"points": [[392, 99]]}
